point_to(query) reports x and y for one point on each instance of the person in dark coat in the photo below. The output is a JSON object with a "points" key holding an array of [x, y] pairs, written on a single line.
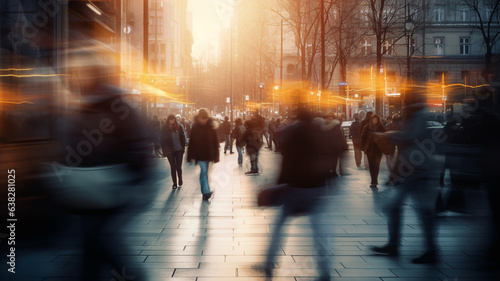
{"points": [[203, 147], [173, 141], [332, 141], [305, 173], [237, 134], [104, 131], [253, 140], [419, 180], [371, 149], [355, 131], [365, 122], [226, 131], [155, 132]]}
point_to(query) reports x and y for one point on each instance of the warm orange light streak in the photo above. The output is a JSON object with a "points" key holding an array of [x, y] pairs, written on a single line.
{"points": [[14, 102], [31, 75], [16, 69]]}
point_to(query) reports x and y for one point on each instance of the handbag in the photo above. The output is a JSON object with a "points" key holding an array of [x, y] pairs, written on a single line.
{"points": [[384, 144], [273, 196], [91, 188]]}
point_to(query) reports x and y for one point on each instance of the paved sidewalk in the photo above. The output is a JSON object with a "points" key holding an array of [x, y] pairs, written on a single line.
{"points": [[185, 239]]}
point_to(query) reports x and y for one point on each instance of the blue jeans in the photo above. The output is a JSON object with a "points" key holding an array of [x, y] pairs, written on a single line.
{"points": [[205, 187], [240, 154]]}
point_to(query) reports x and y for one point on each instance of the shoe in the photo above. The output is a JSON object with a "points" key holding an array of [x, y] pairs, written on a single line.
{"points": [[180, 182], [207, 196], [387, 250], [174, 186], [251, 172], [267, 270], [224, 152], [373, 186], [428, 257], [231, 152]]}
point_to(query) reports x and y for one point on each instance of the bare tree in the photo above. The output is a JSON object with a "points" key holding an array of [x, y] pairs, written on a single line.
{"points": [[385, 21], [488, 23], [303, 17]]}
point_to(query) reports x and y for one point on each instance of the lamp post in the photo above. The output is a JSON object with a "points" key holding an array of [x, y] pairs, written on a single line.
{"points": [[274, 89], [409, 25]]}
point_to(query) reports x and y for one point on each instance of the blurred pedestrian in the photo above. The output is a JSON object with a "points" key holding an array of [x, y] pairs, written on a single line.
{"points": [[356, 139], [104, 135], [155, 132], [362, 126], [394, 124], [237, 135], [419, 179], [226, 131], [204, 147], [371, 149], [304, 172], [333, 141], [173, 141], [253, 139]]}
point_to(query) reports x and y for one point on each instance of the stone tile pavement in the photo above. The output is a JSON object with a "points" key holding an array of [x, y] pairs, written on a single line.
{"points": [[180, 237]]}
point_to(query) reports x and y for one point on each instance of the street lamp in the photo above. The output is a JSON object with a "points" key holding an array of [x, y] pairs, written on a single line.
{"points": [[319, 101], [274, 89]]}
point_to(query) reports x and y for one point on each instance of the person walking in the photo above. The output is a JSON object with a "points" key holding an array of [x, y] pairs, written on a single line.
{"points": [[203, 147], [173, 141], [393, 125], [334, 143], [356, 139], [253, 140], [304, 173], [419, 180], [226, 131], [155, 132], [237, 134], [365, 122], [371, 149]]}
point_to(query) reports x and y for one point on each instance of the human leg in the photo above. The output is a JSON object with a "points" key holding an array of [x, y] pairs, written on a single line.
{"points": [[178, 160], [173, 168], [240, 154], [205, 187], [357, 153]]}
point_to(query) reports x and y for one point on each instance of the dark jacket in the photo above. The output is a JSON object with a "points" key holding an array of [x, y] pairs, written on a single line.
{"points": [[368, 144], [355, 131], [226, 127], [252, 137], [302, 156], [167, 143], [332, 140], [204, 143], [237, 134]]}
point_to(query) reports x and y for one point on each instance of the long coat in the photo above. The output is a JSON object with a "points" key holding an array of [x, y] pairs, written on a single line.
{"points": [[204, 143]]}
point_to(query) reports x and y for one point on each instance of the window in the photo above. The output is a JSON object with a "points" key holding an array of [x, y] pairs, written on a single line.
{"points": [[463, 14], [388, 47], [439, 14], [413, 46], [439, 44], [366, 47], [441, 77], [465, 77], [464, 45]]}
